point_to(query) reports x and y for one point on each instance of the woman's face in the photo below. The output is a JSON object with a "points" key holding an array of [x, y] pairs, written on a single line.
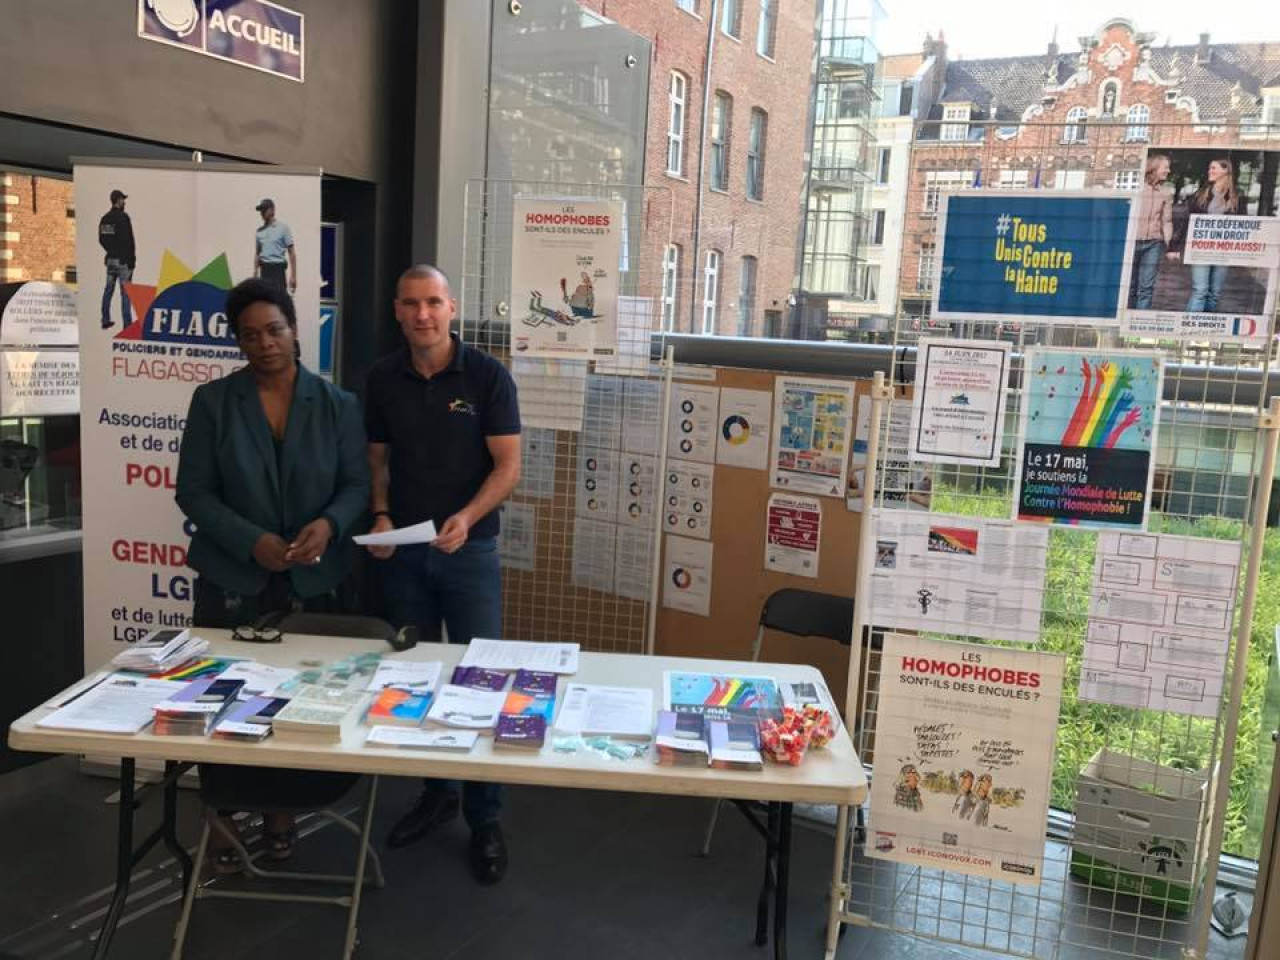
{"points": [[1162, 170], [266, 338], [1217, 170]]}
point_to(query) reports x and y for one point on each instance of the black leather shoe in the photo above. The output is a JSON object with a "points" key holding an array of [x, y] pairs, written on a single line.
{"points": [[488, 854], [432, 808]]}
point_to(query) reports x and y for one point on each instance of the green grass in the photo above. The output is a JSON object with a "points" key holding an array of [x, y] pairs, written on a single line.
{"points": [[1182, 742]]}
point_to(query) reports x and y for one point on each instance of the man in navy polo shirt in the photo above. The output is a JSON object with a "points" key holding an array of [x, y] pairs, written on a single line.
{"points": [[444, 445]]}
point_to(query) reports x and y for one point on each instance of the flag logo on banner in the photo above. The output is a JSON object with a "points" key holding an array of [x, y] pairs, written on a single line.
{"points": [[183, 307]]}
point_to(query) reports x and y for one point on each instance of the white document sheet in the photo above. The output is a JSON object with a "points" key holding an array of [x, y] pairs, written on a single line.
{"points": [[743, 439], [1160, 619], [590, 709], [686, 580], [456, 706], [521, 655], [518, 536], [384, 736], [414, 674], [691, 430], [594, 552], [957, 410], [970, 576], [688, 499], [118, 705], [423, 532]]}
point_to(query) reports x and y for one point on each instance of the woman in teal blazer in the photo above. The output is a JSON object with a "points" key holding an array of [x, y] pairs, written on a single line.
{"points": [[273, 475]]}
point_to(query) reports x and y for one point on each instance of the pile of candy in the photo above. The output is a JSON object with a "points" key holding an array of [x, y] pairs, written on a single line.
{"points": [[787, 741]]}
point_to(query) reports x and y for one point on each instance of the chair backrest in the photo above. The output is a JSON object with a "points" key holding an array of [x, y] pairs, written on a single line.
{"points": [[806, 613], [338, 625]]}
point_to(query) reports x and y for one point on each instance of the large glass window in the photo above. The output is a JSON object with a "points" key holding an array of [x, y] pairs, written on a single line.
{"points": [[1138, 119], [955, 125], [883, 161], [746, 296], [721, 112], [1075, 130], [731, 17], [670, 286], [944, 181], [767, 28], [675, 127], [875, 232], [711, 292], [755, 154]]}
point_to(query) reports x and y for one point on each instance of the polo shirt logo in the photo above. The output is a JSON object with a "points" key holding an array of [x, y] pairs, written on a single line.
{"points": [[463, 406]]}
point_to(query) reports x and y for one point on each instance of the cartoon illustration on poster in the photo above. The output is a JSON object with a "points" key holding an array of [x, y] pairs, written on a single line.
{"points": [[964, 756], [1205, 256], [812, 432], [564, 277], [1088, 438]]}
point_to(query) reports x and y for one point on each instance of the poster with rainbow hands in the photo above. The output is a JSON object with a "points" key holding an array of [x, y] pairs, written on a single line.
{"points": [[1089, 423]]}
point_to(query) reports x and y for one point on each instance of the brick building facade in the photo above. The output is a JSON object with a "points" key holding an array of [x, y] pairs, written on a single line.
{"points": [[735, 274], [37, 228], [1075, 121]]}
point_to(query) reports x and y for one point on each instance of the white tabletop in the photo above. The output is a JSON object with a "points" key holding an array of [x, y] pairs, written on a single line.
{"points": [[832, 775]]}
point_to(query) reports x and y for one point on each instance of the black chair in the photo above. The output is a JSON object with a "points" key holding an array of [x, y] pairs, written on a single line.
{"points": [[801, 613], [318, 793]]}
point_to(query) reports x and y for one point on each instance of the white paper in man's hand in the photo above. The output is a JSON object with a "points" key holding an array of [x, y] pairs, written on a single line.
{"points": [[423, 532]]}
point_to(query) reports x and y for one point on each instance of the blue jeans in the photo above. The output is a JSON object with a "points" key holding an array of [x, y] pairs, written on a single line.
{"points": [[1147, 255], [1206, 286], [463, 590], [122, 273]]}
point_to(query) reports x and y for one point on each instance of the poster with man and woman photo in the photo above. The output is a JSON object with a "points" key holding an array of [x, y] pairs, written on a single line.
{"points": [[1206, 247]]}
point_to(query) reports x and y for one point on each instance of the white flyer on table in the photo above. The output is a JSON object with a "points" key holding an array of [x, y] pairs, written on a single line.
{"points": [[521, 655], [793, 535], [812, 434], [260, 679], [687, 499], [465, 707], [957, 409], [387, 736], [117, 705], [565, 254], [420, 675], [902, 483], [691, 428], [594, 710], [970, 576], [686, 580], [964, 757], [1160, 620], [744, 428], [423, 532]]}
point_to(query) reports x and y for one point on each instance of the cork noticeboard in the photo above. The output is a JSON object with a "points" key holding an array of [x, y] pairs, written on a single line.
{"points": [[741, 584]]}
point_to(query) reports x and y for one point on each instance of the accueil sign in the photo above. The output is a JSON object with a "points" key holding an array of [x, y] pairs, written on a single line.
{"points": [[253, 33]]}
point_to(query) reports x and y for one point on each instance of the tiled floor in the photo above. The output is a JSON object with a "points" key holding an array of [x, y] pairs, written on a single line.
{"points": [[593, 875]]}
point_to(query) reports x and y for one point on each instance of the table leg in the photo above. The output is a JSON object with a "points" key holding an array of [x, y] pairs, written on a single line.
{"points": [[783, 858], [767, 887], [124, 859], [169, 824]]}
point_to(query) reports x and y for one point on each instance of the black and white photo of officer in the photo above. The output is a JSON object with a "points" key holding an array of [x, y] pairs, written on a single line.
{"points": [[273, 255], [115, 235]]}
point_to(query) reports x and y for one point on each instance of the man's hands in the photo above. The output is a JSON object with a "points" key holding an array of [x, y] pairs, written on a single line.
{"points": [[271, 553], [453, 534], [311, 543], [381, 524]]}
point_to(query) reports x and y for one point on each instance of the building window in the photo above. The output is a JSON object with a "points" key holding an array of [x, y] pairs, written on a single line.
{"points": [[1068, 180], [711, 292], [875, 236], [746, 296], [945, 181], [689, 6], [675, 129], [869, 288], [1271, 109], [1128, 179], [883, 158], [906, 100], [924, 276], [1075, 130], [731, 18], [69, 275], [1138, 118], [889, 94], [720, 116], [773, 324], [767, 27], [670, 286], [1012, 180], [755, 154], [955, 125]]}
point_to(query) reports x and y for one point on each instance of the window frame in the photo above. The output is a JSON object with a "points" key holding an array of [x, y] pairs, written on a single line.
{"points": [[720, 131], [1137, 121], [670, 307], [736, 7], [747, 293], [677, 103], [875, 232], [757, 145], [712, 265], [1075, 126], [884, 165], [767, 29]]}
